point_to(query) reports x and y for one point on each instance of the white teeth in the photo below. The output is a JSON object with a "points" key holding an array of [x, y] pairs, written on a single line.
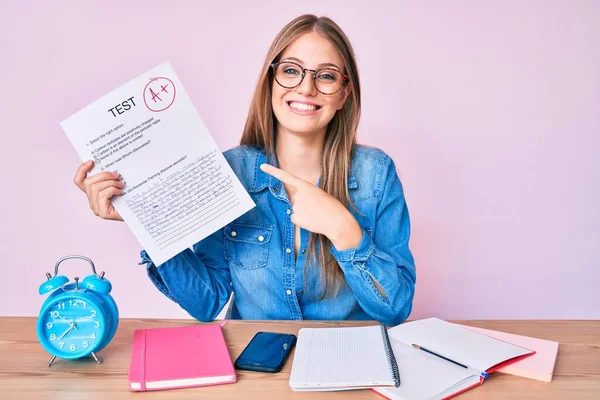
{"points": [[302, 107]]}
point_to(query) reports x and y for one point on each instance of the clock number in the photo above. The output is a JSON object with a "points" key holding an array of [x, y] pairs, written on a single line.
{"points": [[85, 344], [49, 325], [54, 314], [97, 324], [53, 337], [93, 313], [93, 336], [72, 347], [62, 344], [84, 303], [61, 305]]}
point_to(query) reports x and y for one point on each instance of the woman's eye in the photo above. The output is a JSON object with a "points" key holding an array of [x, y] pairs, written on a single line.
{"points": [[327, 76], [291, 71]]}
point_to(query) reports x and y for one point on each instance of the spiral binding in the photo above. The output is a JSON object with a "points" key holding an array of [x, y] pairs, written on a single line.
{"points": [[390, 356]]}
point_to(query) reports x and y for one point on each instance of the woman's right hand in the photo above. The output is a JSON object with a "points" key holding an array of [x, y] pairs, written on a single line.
{"points": [[99, 189]]}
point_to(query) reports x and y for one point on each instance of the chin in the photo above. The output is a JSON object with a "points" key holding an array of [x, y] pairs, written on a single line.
{"points": [[301, 125], [302, 129]]}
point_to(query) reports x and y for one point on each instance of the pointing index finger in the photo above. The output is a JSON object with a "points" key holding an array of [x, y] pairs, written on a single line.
{"points": [[283, 176]]}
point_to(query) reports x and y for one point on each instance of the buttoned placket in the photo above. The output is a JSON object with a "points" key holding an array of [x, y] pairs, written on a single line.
{"points": [[300, 266], [289, 276]]}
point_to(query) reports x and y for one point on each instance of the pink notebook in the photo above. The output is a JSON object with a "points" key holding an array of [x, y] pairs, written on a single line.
{"points": [[539, 366], [179, 357]]}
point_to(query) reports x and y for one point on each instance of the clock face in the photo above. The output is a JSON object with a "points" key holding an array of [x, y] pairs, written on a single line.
{"points": [[72, 327]]}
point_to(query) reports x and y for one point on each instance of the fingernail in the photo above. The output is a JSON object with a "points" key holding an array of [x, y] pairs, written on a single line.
{"points": [[116, 174], [89, 162]]}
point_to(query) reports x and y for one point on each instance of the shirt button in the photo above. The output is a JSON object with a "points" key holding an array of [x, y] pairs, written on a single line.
{"points": [[304, 251], [288, 292], [261, 238], [288, 251], [233, 233], [289, 211], [301, 292]]}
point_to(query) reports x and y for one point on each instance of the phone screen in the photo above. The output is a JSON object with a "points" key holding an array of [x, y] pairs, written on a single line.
{"points": [[267, 351]]}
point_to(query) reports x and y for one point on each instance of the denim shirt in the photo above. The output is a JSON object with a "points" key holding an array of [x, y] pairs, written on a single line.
{"points": [[254, 255]]}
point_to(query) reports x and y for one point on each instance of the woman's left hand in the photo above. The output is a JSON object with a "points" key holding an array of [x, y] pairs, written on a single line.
{"points": [[317, 211]]}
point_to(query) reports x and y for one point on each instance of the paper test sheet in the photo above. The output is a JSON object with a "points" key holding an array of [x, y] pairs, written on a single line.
{"points": [[179, 188]]}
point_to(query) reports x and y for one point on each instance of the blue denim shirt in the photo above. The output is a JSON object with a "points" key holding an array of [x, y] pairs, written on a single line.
{"points": [[254, 255]]}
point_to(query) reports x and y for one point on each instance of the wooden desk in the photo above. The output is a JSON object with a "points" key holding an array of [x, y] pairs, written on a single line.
{"points": [[24, 374]]}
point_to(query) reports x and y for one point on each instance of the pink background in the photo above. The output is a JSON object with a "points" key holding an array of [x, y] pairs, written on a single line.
{"points": [[490, 109]]}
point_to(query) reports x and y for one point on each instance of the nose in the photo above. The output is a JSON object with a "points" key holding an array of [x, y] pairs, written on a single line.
{"points": [[307, 86]]}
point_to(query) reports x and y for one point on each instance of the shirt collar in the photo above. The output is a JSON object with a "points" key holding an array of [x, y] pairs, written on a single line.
{"points": [[262, 180]]}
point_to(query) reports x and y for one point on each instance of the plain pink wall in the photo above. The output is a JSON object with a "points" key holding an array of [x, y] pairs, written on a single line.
{"points": [[490, 110]]}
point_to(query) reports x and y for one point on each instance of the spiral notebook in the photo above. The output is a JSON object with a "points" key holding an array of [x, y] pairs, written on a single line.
{"points": [[463, 359], [328, 359]]}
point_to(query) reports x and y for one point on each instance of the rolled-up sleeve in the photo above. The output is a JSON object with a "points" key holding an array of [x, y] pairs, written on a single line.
{"points": [[381, 270], [198, 280]]}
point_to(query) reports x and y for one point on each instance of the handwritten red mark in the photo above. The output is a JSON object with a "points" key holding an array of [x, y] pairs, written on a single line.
{"points": [[154, 95], [159, 94]]}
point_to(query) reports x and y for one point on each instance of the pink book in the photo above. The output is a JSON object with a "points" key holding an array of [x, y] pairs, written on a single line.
{"points": [[179, 357], [539, 366]]}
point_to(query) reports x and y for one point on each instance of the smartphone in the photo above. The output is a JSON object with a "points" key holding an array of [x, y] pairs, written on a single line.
{"points": [[266, 352]]}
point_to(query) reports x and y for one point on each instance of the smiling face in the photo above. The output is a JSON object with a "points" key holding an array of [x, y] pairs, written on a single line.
{"points": [[304, 110]]}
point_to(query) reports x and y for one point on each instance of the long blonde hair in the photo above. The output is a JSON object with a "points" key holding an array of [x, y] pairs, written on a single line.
{"points": [[340, 137]]}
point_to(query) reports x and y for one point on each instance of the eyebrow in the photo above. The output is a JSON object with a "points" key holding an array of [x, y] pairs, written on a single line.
{"points": [[323, 65]]}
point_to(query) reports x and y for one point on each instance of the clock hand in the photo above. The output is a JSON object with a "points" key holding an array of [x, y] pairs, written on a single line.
{"points": [[67, 331], [68, 322], [63, 318], [69, 334]]}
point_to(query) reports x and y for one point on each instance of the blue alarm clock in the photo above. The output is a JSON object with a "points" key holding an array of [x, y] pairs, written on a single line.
{"points": [[77, 319]]}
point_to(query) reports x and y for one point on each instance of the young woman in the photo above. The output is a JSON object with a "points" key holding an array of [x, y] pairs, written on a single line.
{"points": [[329, 236]]}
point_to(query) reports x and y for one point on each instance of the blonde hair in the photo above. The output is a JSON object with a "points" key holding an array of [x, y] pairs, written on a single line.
{"points": [[340, 137]]}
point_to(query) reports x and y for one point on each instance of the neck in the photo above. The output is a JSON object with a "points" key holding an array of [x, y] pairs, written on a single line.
{"points": [[300, 155]]}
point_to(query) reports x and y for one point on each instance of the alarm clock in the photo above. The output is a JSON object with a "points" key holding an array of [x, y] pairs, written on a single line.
{"points": [[77, 319]]}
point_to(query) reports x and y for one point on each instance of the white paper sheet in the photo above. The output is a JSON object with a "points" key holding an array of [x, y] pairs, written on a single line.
{"points": [[424, 376], [179, 187], [456, 342]]}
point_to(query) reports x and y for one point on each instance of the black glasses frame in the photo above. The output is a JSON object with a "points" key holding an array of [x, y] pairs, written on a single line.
{"points": [[314, 74]]}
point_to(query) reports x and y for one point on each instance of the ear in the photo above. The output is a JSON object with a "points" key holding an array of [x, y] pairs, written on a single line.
{"points": [[344, 93]]}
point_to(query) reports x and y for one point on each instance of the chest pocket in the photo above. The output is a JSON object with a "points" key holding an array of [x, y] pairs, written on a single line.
{"points": [[247, 245]]}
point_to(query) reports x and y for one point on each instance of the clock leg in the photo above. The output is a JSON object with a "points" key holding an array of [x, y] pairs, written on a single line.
{"points": [[51, 360], [96, 358]]}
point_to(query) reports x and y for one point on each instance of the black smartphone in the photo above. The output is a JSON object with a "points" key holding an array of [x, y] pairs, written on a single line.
{"points": [[266, 352]]}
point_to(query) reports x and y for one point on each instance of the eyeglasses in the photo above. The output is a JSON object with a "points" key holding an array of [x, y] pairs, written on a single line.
{"points": [[328, 81]]}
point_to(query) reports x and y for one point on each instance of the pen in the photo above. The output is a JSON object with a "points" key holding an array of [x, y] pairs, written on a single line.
{"points": [[416, 346]]}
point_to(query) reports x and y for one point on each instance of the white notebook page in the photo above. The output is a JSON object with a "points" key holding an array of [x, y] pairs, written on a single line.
{"points": [[425, 376], [456, 342], [340, 358]]}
